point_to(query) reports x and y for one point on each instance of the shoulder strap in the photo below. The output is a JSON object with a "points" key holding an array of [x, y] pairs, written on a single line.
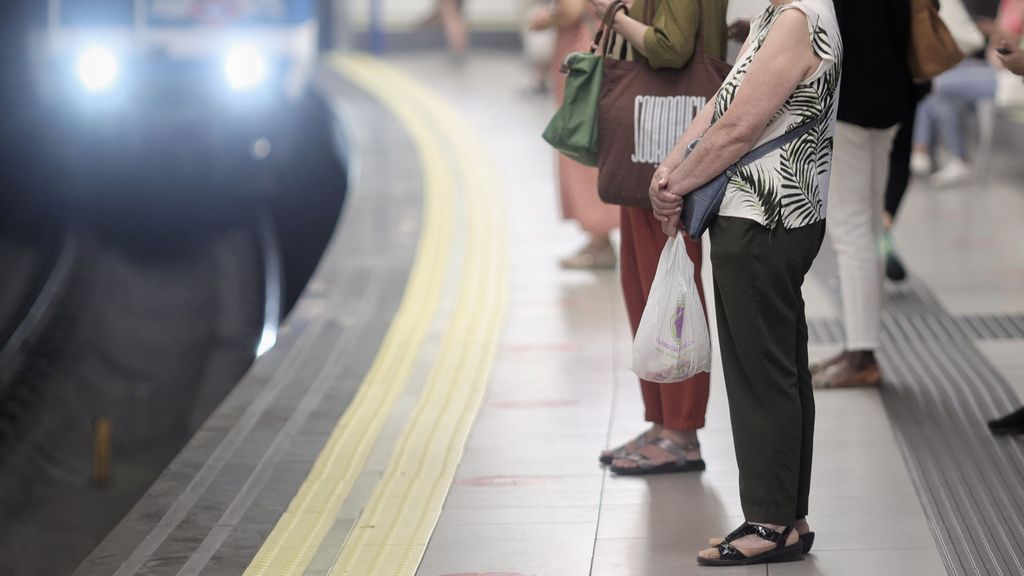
{"points": [[602, 40], [776, 143]]}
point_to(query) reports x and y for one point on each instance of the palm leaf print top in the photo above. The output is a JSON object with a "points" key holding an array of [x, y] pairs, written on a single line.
{"points": [[790, 185]]}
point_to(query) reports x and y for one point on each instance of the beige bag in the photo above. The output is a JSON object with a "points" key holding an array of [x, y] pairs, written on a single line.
{"points": [[932, 48]]}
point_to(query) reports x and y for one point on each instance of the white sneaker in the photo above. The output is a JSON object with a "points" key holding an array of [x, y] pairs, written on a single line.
{"points": [[920, 164], [956, 171]]}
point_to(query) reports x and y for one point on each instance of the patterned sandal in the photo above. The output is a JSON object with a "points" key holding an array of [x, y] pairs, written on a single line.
{"points": [[645, 466], [622, 451], [728, 555], [806, 539]]}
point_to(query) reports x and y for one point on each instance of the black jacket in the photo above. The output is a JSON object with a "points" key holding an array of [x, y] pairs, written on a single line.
{"points": [[876, 81]]}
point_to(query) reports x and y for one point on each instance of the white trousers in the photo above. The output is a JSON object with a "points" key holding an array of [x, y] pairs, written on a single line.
{"points": [[860, 169]]}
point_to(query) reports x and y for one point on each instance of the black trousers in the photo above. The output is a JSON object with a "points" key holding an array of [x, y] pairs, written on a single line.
{"points": [[762, 333], [902, 146]]}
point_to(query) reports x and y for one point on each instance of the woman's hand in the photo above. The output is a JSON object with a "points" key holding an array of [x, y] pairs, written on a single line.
{"points": [[601, 7], [1013, 60], [667, 206]]}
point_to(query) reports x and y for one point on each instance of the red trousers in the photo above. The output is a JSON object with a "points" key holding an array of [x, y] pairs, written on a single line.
{"points": [[681, 405]]}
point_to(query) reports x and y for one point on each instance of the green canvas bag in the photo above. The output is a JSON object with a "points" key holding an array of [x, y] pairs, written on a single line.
{"points": [[573, 129]]}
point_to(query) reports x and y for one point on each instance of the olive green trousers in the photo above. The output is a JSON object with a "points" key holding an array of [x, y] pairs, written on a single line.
{"points": [[762, 333]]}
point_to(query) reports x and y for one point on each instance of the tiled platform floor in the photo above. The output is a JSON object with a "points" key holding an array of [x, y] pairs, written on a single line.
{"points": [[530, 497]]}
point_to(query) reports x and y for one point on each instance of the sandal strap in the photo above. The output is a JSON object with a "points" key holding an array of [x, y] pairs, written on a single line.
{"points": [[744, 529], [762, 532], [622, 450], [766, 533], [726, 551], [675, 449], [642, 462]]}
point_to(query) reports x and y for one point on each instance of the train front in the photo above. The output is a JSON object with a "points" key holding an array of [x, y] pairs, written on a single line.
{"points": [[188, 95]]}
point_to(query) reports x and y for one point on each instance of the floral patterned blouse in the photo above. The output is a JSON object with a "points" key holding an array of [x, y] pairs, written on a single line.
{"points": [[790, 185]]}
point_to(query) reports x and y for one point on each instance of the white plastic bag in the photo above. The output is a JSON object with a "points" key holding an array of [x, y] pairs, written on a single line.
{"points": [[672, 343]]}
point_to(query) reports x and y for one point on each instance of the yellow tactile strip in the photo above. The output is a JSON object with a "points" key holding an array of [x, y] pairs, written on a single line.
{"points": [[392, 532]]}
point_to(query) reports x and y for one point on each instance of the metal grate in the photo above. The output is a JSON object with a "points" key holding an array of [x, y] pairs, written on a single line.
{"points": [[994, 326], [983, 327]]}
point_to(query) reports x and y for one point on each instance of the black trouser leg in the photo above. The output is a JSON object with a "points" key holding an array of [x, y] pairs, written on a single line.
{"points": [[902, 146], [807, 413], [763, 340]]}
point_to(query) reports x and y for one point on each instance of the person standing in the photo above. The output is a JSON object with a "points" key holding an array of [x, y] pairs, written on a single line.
{"points": [[577, 184], [675, 411], [969, 39], [876, 87], [767, 233], [449, 13], [1011, 56]]}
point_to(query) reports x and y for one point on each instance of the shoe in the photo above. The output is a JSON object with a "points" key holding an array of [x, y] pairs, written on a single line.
{"points": [[591, 258], [623, 451], [844, 374], [819, 367], [1012, 423], [956, 171], [644, 466], [807, 540], [920, 164], [728, 555], [894, 269]]}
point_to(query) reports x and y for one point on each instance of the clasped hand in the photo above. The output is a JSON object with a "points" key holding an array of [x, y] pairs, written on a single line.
{"points": [[668, 206]]}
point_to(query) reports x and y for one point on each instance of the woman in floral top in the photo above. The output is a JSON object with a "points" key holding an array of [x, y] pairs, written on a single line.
{"points": [[763, 242]]}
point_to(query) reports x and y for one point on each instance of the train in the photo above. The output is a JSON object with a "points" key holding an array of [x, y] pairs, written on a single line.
{"points": [[176, 96]]}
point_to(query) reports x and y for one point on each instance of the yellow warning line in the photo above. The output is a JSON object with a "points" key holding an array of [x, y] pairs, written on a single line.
{"points": [[301, 529], [392, 533]]}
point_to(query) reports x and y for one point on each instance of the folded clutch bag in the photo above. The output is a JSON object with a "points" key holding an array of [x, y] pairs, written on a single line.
{"points": [[701, 206]]}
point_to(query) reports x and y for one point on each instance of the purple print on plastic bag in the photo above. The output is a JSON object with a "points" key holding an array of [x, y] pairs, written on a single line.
{"points": [[679, 321]]}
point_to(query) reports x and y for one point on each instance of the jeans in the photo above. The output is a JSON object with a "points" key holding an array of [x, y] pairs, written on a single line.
{"points": [[954, 91]]}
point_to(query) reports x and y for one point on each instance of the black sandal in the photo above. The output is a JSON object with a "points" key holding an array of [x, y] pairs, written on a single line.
{"points": [[645, 466], [806, 539], [728, 555]]}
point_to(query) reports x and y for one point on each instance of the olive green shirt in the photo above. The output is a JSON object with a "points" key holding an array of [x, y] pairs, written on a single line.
{"points": [[670, 40]]}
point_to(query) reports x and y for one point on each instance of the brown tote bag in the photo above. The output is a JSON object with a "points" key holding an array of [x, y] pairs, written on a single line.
{"points": [[642, 112], [932, 49]]}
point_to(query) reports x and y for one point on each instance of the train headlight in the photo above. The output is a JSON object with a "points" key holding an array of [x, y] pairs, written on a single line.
{"points": [[98, 69], [245, 68]]}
